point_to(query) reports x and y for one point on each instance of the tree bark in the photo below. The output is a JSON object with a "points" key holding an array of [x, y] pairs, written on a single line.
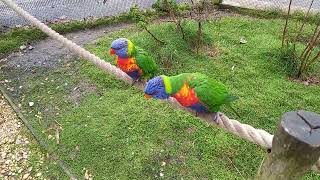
{"points": [[295, 147]]}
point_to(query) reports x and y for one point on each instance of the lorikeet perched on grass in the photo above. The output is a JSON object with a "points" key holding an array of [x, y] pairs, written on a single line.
{"points": [[134, 61], [193, 90]]}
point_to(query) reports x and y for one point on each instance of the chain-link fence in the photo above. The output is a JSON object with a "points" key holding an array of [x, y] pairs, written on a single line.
{"points": [[55, 10], [61, 10], [302, 5]]}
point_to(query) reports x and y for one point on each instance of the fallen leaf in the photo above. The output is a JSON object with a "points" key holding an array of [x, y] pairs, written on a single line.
{"points": [[243, 40]]}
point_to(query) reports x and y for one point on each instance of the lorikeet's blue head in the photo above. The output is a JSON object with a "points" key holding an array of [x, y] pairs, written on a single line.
{"points": [[155, 88], [122, 47]]}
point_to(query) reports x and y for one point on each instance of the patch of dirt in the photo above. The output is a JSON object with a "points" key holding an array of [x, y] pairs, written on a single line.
{"points": [[307, 81], [49, 53], [169, 142], [15, 153], [211, 50], [82, 89], [191, 130]]}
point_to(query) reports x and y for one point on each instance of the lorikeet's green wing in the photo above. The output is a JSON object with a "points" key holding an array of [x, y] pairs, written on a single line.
{"points": [[145, 62], [211, 93]]}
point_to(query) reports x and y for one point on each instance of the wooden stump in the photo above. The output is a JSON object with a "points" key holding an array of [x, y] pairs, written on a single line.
{"points": [[295, 147]]}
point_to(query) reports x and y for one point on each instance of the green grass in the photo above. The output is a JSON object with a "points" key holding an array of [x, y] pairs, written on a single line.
{"points": [[12, 40], [299, 15], [121, 135]]}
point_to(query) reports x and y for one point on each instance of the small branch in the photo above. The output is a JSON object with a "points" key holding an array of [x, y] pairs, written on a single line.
{"points": [[314, 60], [311, 40], [304, 21], [308, 50], [235, 167], [154, 37], [286, 25]]}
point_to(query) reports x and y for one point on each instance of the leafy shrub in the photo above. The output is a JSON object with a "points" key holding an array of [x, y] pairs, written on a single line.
{"points": [[142, 19], [305, 57], [198, 11]]}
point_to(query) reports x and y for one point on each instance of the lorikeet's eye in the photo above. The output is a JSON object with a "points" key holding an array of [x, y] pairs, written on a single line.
{"points": [[116, 49], [154, 93]]}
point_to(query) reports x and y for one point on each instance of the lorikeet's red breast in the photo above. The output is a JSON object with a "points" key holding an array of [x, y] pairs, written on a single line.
{"points": [[186, 96], [128, 65]]}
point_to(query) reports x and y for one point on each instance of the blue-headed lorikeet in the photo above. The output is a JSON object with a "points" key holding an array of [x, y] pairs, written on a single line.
{"points": [[193, 90], [134, 61]]}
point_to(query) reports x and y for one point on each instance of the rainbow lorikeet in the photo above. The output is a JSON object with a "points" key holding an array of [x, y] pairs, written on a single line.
{"points": [[134, 61], [193, 90]]}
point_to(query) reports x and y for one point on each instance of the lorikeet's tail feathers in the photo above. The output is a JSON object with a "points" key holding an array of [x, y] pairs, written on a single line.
{"points": [[230, 99], [233, 110]]}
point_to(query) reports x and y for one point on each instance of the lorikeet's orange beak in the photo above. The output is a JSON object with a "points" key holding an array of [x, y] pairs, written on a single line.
{"points": [[147, 96], [112, 52]]}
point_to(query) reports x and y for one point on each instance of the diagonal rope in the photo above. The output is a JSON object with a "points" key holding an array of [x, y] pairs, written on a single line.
{"points": [[258, 136]]}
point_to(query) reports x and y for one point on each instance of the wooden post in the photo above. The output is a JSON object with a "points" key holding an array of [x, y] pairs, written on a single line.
{"points": [[295, 147]]}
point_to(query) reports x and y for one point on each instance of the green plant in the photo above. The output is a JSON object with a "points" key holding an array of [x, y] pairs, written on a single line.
{"points": [[216, 2], [310, 54], [177, 12], [142, 20], [200, 13]]}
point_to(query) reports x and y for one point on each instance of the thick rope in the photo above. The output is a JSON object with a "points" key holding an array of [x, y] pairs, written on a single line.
{"points": [[245, 131]]}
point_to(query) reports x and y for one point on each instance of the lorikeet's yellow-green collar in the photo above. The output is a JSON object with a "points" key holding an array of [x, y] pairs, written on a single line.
{"points": [[130, 47], [167, 84]]}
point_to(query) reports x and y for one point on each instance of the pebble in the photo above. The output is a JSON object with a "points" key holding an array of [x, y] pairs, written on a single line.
{"points": [[161, 174], [3, 155], [31, 47], [49, 136], [63, 17], [243, 40], [23, 47], [25, 176], [38, 174], [3, 60], [18, 141], [163, 163], [7, 161], [31, 104], [306, 83]]}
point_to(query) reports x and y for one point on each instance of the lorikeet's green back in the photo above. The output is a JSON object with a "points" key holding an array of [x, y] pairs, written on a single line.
{"points": [[210, 92], [145, 62]]}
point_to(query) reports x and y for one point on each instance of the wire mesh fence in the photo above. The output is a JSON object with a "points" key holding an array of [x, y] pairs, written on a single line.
{"points": [[56, 10], [302, 5], [62, 10]]}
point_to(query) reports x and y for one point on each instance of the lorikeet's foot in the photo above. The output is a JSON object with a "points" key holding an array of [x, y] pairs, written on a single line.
{"points": [[135, 81], [216, 117], [197, 114]]}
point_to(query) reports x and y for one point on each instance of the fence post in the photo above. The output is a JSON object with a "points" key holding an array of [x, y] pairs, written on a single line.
{"points": [[295, 147]]}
